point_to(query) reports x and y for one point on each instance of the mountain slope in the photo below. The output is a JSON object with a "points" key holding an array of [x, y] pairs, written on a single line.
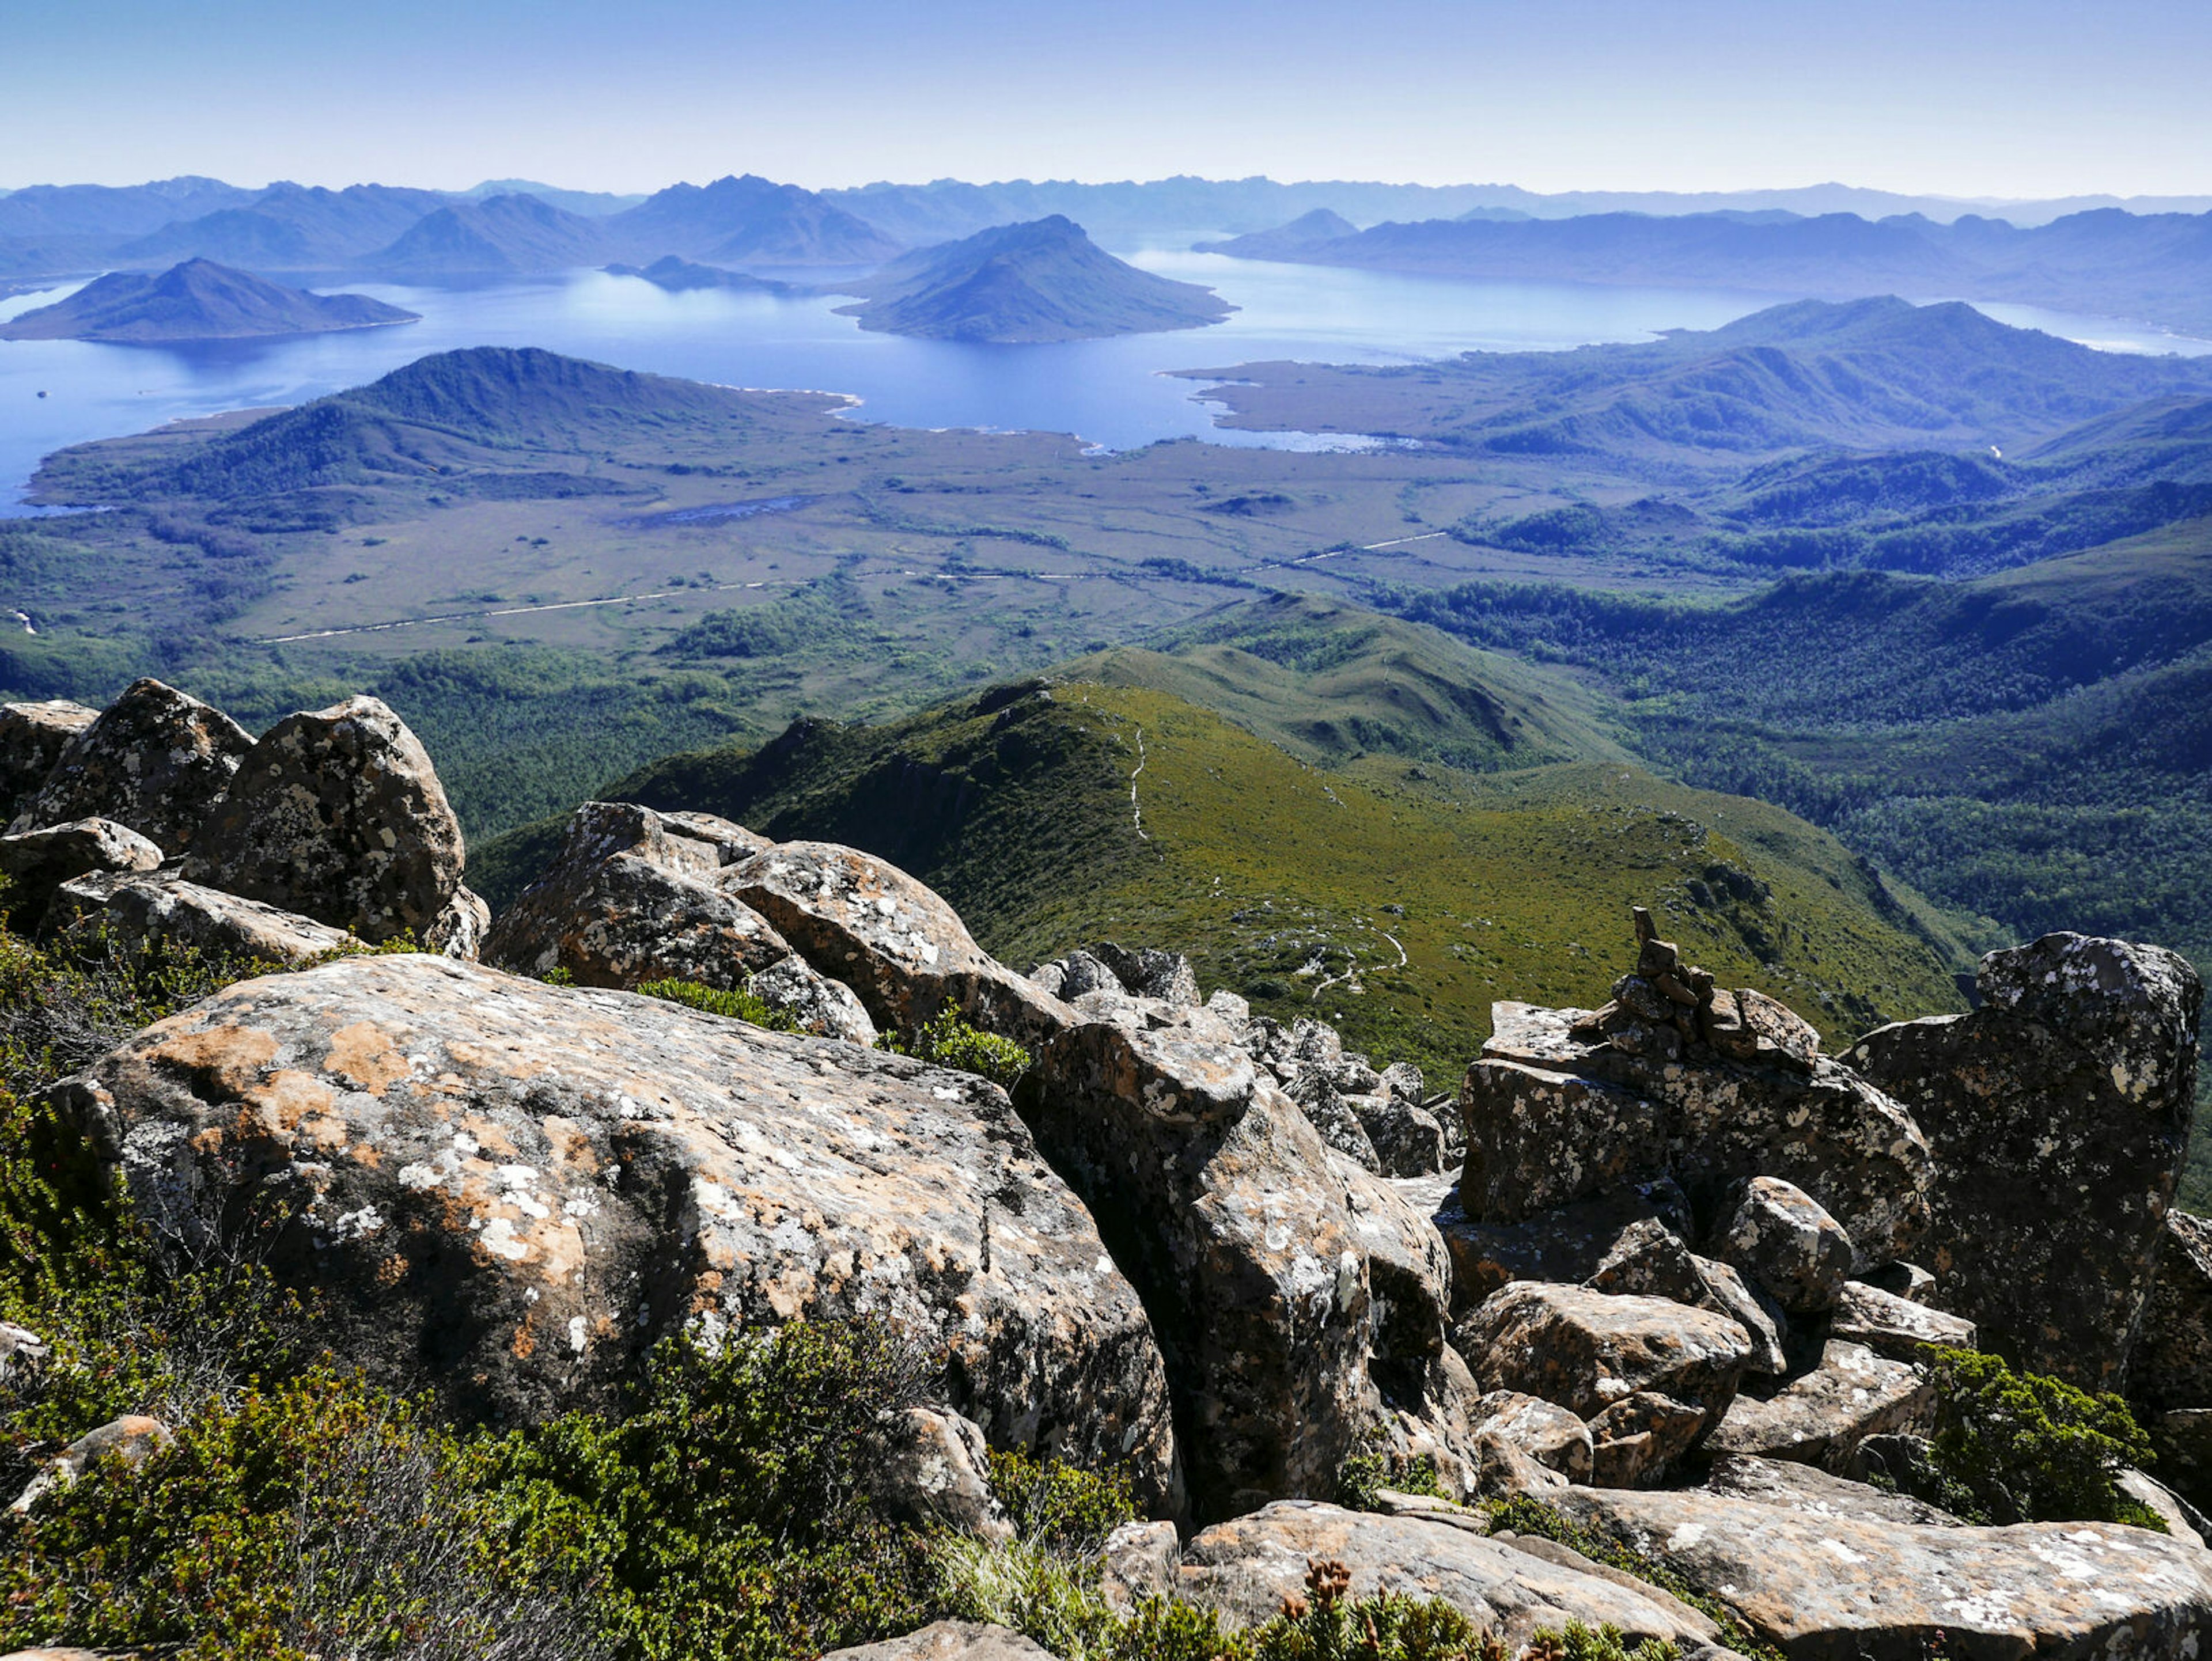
{"points": [[1307, 232], [1300, 886], [194, 302], [1872, 374], [500, 235], [1331, 683], [681, 276], [747, 220], [1044, 281]]}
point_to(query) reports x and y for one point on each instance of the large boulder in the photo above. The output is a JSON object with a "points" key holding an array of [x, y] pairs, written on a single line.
{"points": [[1572, 1243], [39, 861], [156, 760], [1585, 1350], [1786, 1244], [516, 1187], [892, 940], [1896, 1327], [1840, 1588], [1274, 1275], [1818, 1493], [148, 910], [2058, 1112], [32, 738], [1820, 1416], [2170, 1368], [949, 1640], [1558, 1112], [637, 896], [1248, 1567], [337, 814]]}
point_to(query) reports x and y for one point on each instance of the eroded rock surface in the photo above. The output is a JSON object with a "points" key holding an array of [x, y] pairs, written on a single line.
{"points": [[1894, 1326], [949, 1640], [32, 738], [1246, 1567], [153, 907], [1585, 1350], [1832, 1588], [1819, 1417], [1556, 1115], [517, 1186], [2058, 1112], [1786, 1244], [900, 948], [1818, 1493], [154, 760], [39, 861], [337, 814], [2172, 1364]]}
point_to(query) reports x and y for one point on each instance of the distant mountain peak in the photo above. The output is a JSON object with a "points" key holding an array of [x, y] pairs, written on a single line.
{"points": [[196, 300], [1037, 281]]}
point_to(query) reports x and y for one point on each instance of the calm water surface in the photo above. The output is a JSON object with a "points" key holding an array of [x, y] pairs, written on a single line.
{"points": [[1111, 392]]}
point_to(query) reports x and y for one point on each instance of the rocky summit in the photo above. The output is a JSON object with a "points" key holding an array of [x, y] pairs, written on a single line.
{"points": [[1670, 1322]]}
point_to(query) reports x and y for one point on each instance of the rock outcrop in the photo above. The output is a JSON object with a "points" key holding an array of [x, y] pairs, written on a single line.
{"points": [[2058, 1112], [517, 1187], [1565, 1105], [32, 738], [949, 1640], [152, 908], [1839, 1588], [337, 814], [902, 949], [153, 760], [39, 861], [1247, 1568], [1219, 1200], [1819, 1417], [635, 896]]}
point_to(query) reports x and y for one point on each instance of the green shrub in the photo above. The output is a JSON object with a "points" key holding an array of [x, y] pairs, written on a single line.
{"points": [[948, 1040], [2030, 1448], [728, 1516], [319, 1517], [1062, 1506], [1579, 1642], [1362, 1476], [734, 1004]]}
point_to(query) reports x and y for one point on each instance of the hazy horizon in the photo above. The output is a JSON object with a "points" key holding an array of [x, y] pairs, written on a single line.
{"points": [[1968, 99]]}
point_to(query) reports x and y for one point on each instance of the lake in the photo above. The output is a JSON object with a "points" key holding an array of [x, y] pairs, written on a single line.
{"points": [[1111, 392]]}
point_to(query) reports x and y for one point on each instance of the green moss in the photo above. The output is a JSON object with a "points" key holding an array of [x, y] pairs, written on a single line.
{"points": [[733, 1003]]}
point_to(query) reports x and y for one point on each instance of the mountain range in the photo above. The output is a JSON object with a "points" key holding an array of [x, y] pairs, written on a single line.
{"points": [[1045, 281], [2147, 266], [197, 301]]}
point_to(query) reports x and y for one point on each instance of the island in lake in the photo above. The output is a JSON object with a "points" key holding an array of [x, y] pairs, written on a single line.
{"points": [[197, 301], [680, 275], [1021, 284]]}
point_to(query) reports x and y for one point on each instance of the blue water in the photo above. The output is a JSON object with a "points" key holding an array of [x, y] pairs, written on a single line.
{"points": [[1111, 392]]}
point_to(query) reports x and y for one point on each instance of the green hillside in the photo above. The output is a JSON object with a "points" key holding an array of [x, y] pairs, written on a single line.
{"points": [[1397, 897]]}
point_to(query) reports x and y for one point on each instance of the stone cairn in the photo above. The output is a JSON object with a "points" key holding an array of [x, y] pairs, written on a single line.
{"points": [[1665, 1007]]}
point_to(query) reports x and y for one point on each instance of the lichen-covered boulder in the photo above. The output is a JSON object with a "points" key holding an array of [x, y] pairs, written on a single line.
{"points": [[1247, 1568], [1547, 1434], [2058, 1112], [901, 948], [458, 930], [337, 814], [1222, 1204], [950, 1641], [1635, 1442], [932, 1469], [1819, 1418], [517, 1187], [32, 738], [1786, 1243], [1896, 1327], [1837, 1588], [39, 861], [155, 908], [1818, 1493], [134, 1438], [1556, 1112], [154, 760], [1572, 1243], [2171, 1366], [1585, 1350]]}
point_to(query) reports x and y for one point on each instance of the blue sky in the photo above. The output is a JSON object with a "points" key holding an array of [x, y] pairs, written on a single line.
{"points": [[1966, 97]]}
